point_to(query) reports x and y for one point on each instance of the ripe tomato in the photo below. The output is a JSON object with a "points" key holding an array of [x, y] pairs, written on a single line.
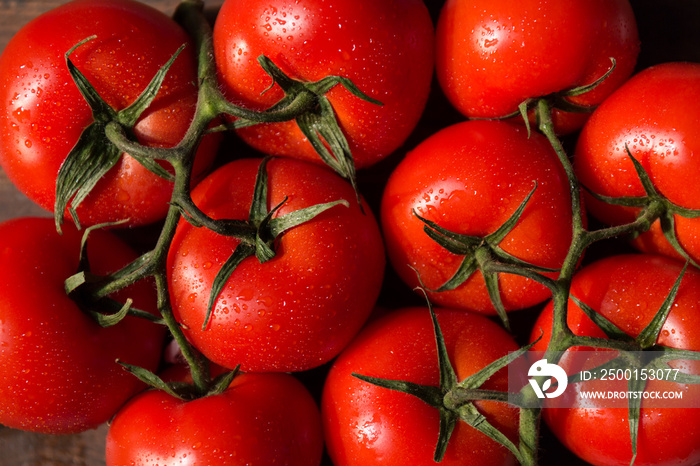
{"points": [[492, 55], [628, 290], [469, 178], [260, 419], [385, 48], [655, 116], [367, 424], [58, 372], [43, 113], [297, 310]]}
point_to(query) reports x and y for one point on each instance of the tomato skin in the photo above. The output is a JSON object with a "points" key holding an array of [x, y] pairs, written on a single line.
{"points": [[298, 310], [656, 116], [59, 373], [492, 55], [469, 178], [366, 424], [43, 112], [260, 419], [385, 48], [628, 290]]}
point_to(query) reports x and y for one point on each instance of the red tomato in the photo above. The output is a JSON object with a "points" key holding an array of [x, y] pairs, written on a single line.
{"points": [[385, 48], [367, 424], [492, 55], [43, 113], [628, 290], [298, 310], [260, 419], [58, 371], [469, 178], [655, 115]]}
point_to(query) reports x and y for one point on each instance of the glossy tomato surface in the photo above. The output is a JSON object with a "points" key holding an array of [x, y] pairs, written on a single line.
{"points": [[654, 115], [385, 48], [367, 424], [261, 419], [470, 178], [43, 113], [58, 372], [297, 310], [492, 55], [628, 290]]}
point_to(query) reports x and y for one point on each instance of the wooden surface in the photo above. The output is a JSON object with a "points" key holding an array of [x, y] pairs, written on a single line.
{"points": [[21, 448]]}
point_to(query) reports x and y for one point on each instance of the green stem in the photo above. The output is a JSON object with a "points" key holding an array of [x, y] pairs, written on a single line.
{"points": [[189, 15]]}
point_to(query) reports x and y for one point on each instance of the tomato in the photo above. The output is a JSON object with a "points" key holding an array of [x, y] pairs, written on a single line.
{"points": [[469, 178], [492, 55], [385, 48], [628, 290], [655, 117], [367, 424], [260, 419], [297, 310], [59, 373], [43, 112]]}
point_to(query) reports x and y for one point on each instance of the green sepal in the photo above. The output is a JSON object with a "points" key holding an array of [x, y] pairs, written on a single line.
{"points": [[437, 396], [648, 336], [320, 124], [478, 251], [89, 160], [152, 380], [478, 378], [494, 291], [94, 155], [281, 224], [427, 393], [668, 228], [242, 252], [471, 415], [576, 91], [111, 312], [223, 381], [130, 115], [610, 329], [100, 110], [266, 230], [634, 412]]}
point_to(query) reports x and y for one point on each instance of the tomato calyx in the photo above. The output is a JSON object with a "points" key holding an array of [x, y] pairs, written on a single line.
{"points": [[454, 399], [104, 310], [484, 254], [184, 390], [656, 203], [258, 234], [642, 352], [560, 100], [93, 155], [314, 115], [304, 102]]}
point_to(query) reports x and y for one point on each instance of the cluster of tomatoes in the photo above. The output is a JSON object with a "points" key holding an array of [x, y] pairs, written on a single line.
{"points": [[247, 282]]}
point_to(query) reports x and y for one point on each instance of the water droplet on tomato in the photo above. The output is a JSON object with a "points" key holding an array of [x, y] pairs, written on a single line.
{"points": [[123, 196], [246, 294]]}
